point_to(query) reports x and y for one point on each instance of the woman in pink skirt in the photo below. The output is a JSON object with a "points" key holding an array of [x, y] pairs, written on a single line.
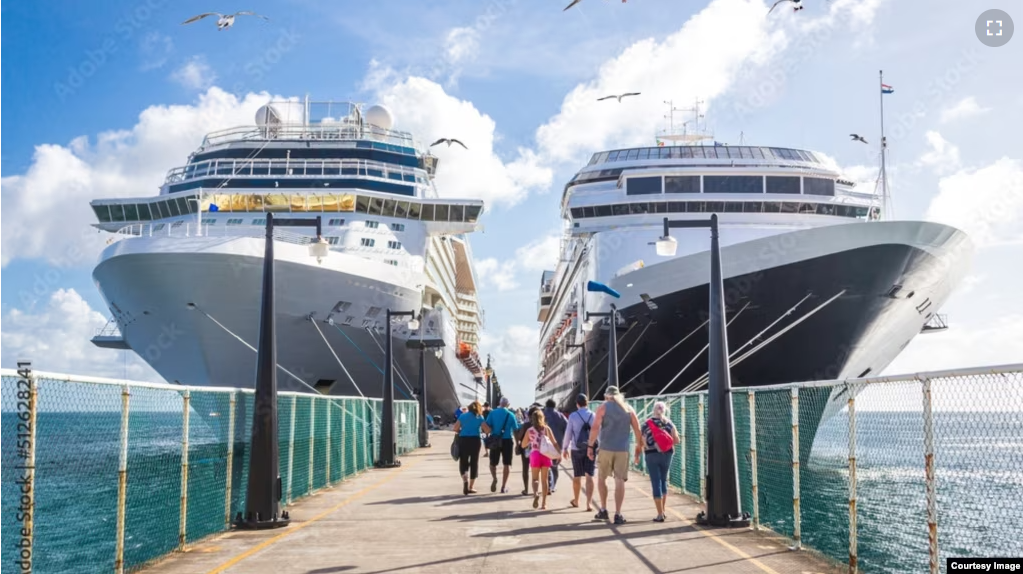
{"points": [[539, 463]]}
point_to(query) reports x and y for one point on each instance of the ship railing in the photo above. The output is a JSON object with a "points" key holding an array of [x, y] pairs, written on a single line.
{"points": [[295, 168], [883, 474], [308, 132], [111, 329], [183, 450]]}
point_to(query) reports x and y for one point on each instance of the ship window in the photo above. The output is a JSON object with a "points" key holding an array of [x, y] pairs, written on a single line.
{"points": [[588, 211], [204, 222], [234, 221], [682, 184], [825, 209], [660, 206], [144, 213], [131, 213], [733, 184], [772, 207], [639, 208], [389, 207], [807, 208], [756, 153], [159, 226], [789, 207], [733, 207], [428, 212], [752, 207], [362, 204], [457, 213], [334, 240], [612, 156], [117, 212], [603, 211], [259, 221], [335, 222], [698, 152], [621, 209], [715, 207], [333, 168], [399, 227], [633, 154], [401, 209], [441, 213], [171, 207], [391, 262], [577, 212], [394, 245], [676, 207], [178, 224], [367, 242], [746, 153], [643, 185], [372, 224], [818, 186], [415, 210], [155, 208], [376, 206], [782, 185], [734, 153], [472, 213]]}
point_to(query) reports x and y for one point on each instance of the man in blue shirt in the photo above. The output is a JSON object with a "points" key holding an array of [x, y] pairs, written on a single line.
{"points": [[502, 421], [558, 424]]}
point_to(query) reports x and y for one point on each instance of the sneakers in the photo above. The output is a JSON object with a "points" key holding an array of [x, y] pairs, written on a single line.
{"points": [[660, 518], [619, 519], [601, 515]]}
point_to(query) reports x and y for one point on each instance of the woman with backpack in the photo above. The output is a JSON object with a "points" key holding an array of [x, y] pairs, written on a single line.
{"points": [[660, 436]]}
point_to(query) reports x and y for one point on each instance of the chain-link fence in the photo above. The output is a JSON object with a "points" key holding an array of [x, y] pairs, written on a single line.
{"points": [[101, 475], [889, 474]]}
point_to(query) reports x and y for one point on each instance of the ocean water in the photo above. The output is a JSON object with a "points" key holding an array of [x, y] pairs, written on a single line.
{"points": [[979, 458]]}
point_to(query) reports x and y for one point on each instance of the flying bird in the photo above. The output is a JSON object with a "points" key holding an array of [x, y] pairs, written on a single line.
{"points": [[224, 21], [619, 97], [798, 3], [574, 2], [857, 138], [448, 141]]}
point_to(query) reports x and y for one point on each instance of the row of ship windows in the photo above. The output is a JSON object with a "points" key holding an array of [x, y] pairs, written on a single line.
{"points": [[285, 203], [730, 184], [397, 227], [721, 207], [701, 152]]}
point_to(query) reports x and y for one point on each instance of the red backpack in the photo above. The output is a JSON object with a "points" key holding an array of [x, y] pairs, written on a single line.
{"points": [[662, 438]]}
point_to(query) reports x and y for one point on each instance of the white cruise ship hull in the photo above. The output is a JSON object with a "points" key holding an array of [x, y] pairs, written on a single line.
{"points": [[876, 284], [190, 307]]}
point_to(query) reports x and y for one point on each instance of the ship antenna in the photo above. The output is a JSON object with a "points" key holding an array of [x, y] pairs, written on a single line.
{"points": [[882, 177]]}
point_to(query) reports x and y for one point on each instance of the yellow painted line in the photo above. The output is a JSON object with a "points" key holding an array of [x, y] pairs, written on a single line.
{"points": [[293, 529], [710, 534]]}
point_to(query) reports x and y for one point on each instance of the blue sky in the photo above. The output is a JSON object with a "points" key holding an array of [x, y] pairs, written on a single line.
{"points": [[516, 80]]}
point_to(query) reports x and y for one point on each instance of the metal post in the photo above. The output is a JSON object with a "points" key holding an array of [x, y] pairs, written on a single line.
{"points": [[612, 350], [424, 432], [122, 483], [853, 558], [796, 517], [931, 486], [291, 446], [183, 521], [753, 458], [230, 460], [387, 446], [682, 442], [312, 442], [344, 440], [703, 448], [327, 481]]}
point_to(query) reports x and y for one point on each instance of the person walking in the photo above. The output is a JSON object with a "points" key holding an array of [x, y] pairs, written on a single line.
{"points": [[541, 442], [613, 422], [577, 436], [503, 423], [469, 427], [659, 437], [523, 451], [558, 424]]}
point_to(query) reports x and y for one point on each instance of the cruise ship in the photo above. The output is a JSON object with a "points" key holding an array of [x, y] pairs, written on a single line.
{"points": [[182, 271], [818, 283]]}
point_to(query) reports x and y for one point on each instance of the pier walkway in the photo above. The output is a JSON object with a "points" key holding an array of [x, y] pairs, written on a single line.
{"points": [[415, 519]]}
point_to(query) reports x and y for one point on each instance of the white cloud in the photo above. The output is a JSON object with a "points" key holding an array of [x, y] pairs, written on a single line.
{"points": [[422, 107], [986, 203], [48, 213], [195, 74], [943, 156], [461, 45], [154, 50], [493, 273], [514, 351], [538, 255], [864, 176], [996, 342], [58, 339], [965, 108]]}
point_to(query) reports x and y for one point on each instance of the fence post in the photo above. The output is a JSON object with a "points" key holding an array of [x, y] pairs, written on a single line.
{"points": [[183, 522], [326, 482], [853, 558], [753, 458], [230, 460], [291, 444], [122, 483], [932, 496], [682, 442], [703, 450], [344, 435], [312, 442], [796, 518]]}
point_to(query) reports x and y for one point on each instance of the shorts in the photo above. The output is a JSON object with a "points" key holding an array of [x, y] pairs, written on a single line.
{"points": [[537, 460], [504, 451], [612, 463], [581, 464]]}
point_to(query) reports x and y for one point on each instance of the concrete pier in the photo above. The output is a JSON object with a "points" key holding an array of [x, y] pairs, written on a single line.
{"points": [[416, 519]]}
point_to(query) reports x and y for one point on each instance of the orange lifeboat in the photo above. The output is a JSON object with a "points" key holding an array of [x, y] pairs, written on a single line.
{"points": [[464, 350]]}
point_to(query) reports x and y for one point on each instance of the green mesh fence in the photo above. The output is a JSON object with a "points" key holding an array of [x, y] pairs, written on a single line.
{"points": [[185, 460], [968, 424]]}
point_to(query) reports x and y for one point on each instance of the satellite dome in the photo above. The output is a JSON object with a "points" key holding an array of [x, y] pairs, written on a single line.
{"points": [[379, 116], [267, 115]]}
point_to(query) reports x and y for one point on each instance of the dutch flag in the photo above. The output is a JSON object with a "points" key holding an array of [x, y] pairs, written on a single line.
{"points": [[886, 89]]}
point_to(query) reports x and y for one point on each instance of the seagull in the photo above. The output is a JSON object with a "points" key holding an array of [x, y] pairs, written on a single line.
{"points": [[857, 138], [224, 21], [798, 4], [448, 141], [619, 97], [574, 2]]}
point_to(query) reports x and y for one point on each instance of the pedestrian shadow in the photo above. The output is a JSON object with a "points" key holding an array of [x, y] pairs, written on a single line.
{"points": [[497, 515], [331, 570], [418, 499]]}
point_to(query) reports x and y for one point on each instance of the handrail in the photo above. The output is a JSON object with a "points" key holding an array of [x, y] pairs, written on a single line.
{"points": [[262, 168], [338, 131]]}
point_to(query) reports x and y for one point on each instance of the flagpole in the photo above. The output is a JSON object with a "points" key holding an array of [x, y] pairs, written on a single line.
{"points": [[884, 150]]}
